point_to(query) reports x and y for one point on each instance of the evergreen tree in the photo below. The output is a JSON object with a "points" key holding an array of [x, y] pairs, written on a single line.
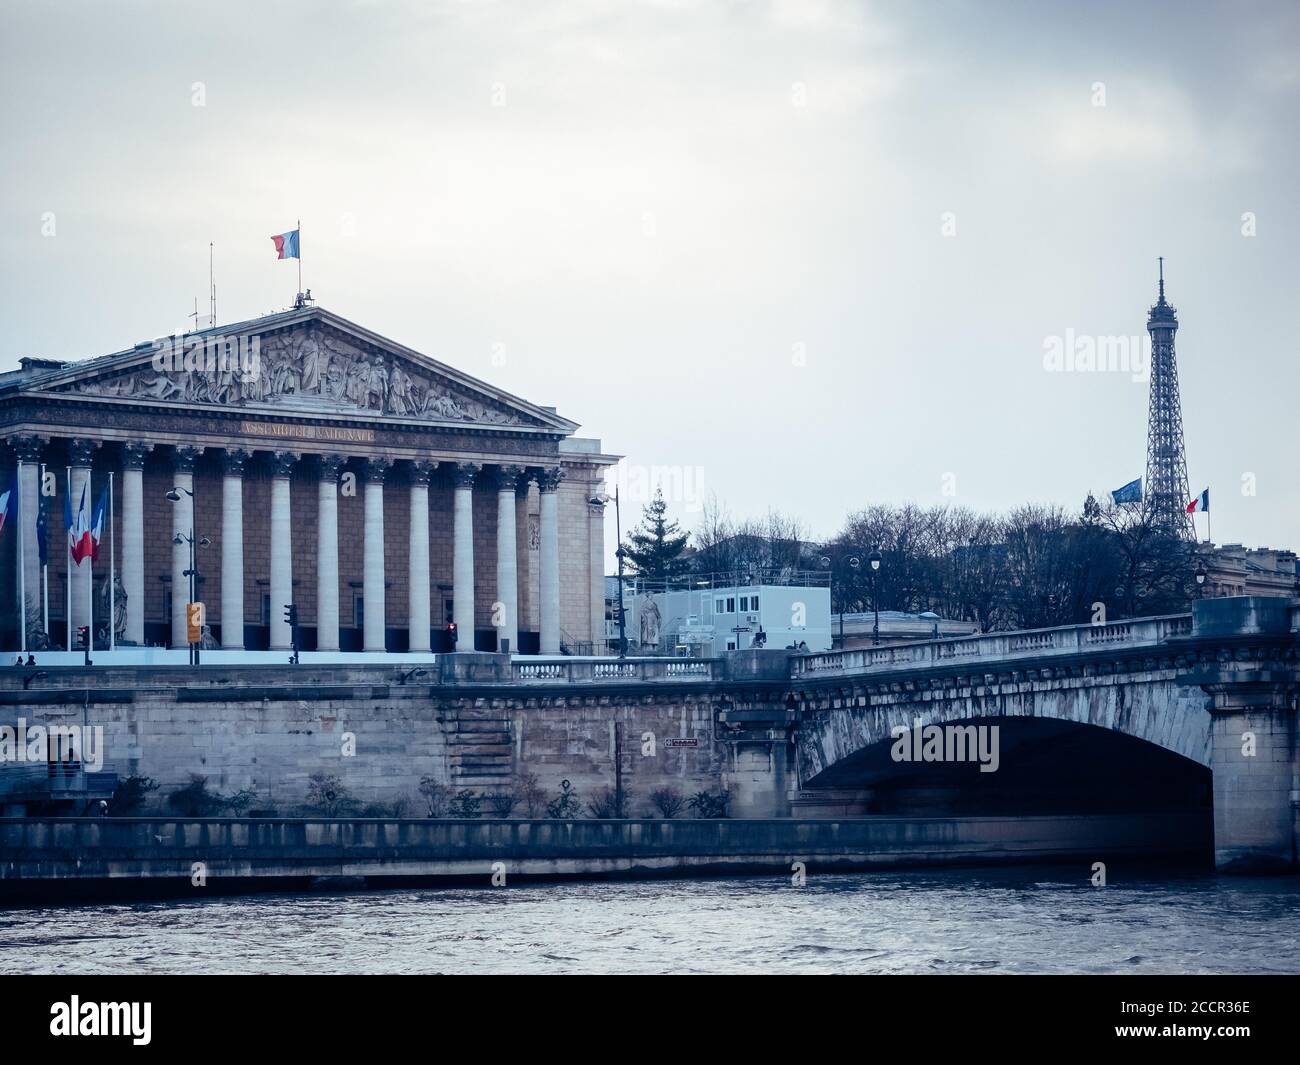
{"points": [[654, 548]]}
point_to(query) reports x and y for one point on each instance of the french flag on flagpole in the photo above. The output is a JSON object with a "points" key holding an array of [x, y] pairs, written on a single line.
{"points": [[286, 245], [1200, 504], [97, 524], [80, 542]]}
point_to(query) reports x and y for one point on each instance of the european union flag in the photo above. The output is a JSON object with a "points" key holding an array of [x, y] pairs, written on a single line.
{"points": [[41, 508], [1130, 493]]}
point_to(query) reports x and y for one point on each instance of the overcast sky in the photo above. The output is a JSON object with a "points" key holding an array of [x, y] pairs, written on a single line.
{"points": [[806, 255]]}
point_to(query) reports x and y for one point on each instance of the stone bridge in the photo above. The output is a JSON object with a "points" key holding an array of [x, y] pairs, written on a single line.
{"points": [[1156, 717], [1156, 713]]}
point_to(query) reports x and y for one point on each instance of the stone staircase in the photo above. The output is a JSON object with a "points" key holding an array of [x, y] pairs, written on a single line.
{"points": [[480, 749]]}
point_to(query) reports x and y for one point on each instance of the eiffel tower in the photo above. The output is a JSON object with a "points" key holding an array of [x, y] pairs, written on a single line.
{"points": [[1166, 480]]}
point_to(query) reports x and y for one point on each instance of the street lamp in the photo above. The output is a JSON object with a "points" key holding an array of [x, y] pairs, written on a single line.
{"points": [[853, 562], [1200, 579], [173, 495], [874, 559]]}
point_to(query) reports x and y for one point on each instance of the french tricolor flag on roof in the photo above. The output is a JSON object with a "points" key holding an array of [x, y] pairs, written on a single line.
{"points": [[1201, 504], [286, 245]]}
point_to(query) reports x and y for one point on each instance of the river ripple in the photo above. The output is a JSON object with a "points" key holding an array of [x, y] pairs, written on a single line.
{"points": [[1031, 919]]}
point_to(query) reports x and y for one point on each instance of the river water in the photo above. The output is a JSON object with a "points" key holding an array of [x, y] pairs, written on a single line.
{"points": [[1029, 919]]}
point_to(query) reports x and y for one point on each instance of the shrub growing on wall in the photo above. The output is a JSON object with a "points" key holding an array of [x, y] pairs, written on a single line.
{"points": [[668, 802]]}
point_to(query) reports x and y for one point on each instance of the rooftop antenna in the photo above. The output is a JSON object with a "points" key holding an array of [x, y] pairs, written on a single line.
{"points": [[1162, 279], [212, 287], [195, 314]]}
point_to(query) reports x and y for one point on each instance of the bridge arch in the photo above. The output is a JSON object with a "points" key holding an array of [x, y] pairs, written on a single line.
{"points": [[1145, 706]]}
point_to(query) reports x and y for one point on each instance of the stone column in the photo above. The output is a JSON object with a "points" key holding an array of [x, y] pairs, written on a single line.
{"points": [[462, 571], [327, 554], [29, 449], [596, 571], [505, 611], [183, 459], [418, 557], [1246, 663], [548, 485], [133, 455], [282, 463], [759, 743], [232, 549], [373, 577], [1254, 751]]}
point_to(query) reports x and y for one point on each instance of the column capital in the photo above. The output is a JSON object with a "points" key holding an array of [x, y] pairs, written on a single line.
{"points": [[134, 453], [81, 453], [422, 471], [549, 478], [329, 466], [465, 473], [28, 446], [183, 459], [508, 477], [234, 460], [282, 463], [378, 469]]}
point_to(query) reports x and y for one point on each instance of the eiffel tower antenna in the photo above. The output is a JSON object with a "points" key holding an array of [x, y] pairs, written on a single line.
{"points": [[1166, 481]]}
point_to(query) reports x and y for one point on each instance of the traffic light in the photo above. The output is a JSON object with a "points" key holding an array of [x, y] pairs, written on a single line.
{"points": [[83, 637], [291, 614]]}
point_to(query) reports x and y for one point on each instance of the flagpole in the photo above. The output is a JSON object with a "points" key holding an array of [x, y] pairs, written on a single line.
{"points": [[68, 534], [300, 256], [112, 570], [45, 564], [90, 584], [22, 559]]}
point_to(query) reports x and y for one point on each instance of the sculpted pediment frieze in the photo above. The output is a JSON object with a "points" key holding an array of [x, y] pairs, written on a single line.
{"points": [[307, 369]]}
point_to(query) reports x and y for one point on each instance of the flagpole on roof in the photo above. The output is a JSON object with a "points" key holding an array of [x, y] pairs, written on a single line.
{"points": [[300, 256]]}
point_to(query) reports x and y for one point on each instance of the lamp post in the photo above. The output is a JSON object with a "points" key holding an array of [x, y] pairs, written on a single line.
{"points": [[174, 496], [1200, 580], [853, 562], [874, 559]]}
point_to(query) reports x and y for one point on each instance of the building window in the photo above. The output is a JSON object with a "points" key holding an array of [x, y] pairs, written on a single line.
{"points": [[448, 610], [753, 603], [167, 604], [731, 604], [731, 645], [744, 603], [266, 609], [719, 606], [358, 610]]}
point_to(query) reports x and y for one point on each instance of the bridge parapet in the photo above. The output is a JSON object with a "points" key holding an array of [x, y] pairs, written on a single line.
{"points": [[996, 647]]}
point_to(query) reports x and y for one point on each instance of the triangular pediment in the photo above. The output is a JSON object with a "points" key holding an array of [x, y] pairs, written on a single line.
{"points": [[301, 362]]}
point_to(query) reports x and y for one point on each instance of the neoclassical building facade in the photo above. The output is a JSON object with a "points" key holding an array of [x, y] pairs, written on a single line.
{"points": [[398, 503]]}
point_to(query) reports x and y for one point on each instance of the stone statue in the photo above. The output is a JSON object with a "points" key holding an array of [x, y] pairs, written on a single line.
{"points": [[650, 620], [315, 366], [208, 642], [119, 608]]}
